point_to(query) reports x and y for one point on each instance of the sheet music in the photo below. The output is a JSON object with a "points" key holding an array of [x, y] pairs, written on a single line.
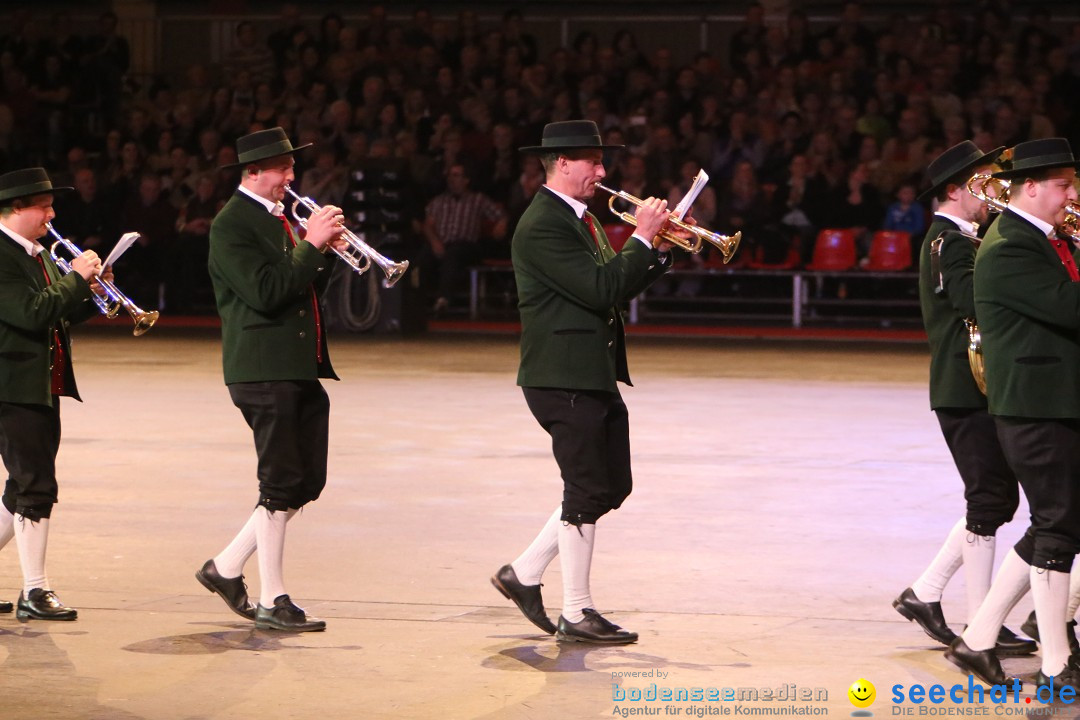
{"points": [[700, 181], [125, 241]]}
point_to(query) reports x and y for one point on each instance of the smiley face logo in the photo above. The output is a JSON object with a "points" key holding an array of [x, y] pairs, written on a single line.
{"points": [[862, 693]]}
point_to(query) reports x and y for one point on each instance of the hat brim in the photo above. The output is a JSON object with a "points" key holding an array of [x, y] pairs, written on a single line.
{"points": [[245, 163], [1005, 174], [986, 158], [49, 191], [562, 148]]}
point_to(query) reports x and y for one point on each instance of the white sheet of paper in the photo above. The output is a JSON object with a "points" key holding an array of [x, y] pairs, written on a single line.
{"points": [[126, 241], [700, 181]]}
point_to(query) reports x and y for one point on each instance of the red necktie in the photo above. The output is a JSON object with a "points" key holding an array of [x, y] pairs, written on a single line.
{"points": [[592, 228], [1064, 252], [59, 362], [314, 298]]}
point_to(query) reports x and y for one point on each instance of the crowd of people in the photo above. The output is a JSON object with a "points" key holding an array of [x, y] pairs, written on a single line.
{"points": [[799, 127]]}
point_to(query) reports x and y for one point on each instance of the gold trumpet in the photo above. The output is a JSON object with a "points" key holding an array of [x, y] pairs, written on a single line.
{"points": [[1000, 199], [358, 254], [110, 304], [1071, 226], [727, 244], [975, 354]]}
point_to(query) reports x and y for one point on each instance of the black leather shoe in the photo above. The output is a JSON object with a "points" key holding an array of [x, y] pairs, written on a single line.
{"points": [[983, 664], [1069, 677], [1009, 644], [526, 597], [593, 628], [928, 615], [286, 616], [6, 606], [39, 604], [1030, 627], [232, 590]]}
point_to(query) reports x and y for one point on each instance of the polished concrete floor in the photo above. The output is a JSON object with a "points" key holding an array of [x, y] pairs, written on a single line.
{"points": [[784, 495]]}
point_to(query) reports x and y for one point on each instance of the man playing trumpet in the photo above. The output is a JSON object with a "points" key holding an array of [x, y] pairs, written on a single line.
{"points": [[267, 283], [991, 494], [37, 305], [570, 283], [1027, 298]]}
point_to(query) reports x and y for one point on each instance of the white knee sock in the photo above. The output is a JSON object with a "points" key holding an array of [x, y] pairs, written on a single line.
{"points": [[32, 537], [932, 582], [1050, 591], [7, 526], [1009, 586], [270, 537], [530, 565], [575, 556], [230, 561], [1074, 593], [978, 568]]}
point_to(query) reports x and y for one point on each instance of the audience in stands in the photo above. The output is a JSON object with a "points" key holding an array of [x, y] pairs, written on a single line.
{"points": [[800, 126]]}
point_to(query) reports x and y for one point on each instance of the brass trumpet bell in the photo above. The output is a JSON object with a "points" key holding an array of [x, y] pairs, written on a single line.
{"points": [[726, 244]]}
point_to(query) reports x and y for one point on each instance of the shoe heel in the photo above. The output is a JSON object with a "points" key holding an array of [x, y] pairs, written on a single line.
{"points": [[498, 586], [22, 616], [903, 610]]}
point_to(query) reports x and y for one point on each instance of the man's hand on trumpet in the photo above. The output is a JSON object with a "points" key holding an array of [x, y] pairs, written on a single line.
{"points": [[325, 226], [107, 276], [87, 264], [672, 229], [651, 216]]}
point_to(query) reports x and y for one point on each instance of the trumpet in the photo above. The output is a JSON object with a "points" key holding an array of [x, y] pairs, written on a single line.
{"points": [[114, 300], [997, 202], [727, 244], [1071, 226], [359, 255]]}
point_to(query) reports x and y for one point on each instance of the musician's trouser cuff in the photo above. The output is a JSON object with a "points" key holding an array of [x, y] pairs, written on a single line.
{"points": [[590, 439], [991, 491]]}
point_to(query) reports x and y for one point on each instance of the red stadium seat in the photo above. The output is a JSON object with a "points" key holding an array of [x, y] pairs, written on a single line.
{"points": [[618, 234], [834, 250], [890, 250]]}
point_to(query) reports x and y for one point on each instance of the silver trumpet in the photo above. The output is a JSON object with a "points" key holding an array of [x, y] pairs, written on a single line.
{"points": [[359, 255], [114, 300]]}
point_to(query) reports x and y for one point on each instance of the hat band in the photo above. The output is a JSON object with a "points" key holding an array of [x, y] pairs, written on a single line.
{"points": [[1038, 161], [561, 141], [38, 188], [266, 151]]}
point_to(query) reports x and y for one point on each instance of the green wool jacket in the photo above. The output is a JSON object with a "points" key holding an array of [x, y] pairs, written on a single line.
{"points": [[263, 287], [1029, 317], [568, 295], [29, 311], [951, 382]]}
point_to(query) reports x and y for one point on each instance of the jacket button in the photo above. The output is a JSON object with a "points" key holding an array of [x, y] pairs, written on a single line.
{"points": [[611, 343], [303, 313], [611, 321], [50, 367], [303, 334]]}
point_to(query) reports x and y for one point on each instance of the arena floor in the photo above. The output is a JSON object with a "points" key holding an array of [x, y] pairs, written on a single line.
{"points": [[785, 493]]}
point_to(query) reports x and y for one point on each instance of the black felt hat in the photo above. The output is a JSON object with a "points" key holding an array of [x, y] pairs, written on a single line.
{"points": [[1045, 154], [570, 135], [262, 145], [26, 182], [958, 160]]}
